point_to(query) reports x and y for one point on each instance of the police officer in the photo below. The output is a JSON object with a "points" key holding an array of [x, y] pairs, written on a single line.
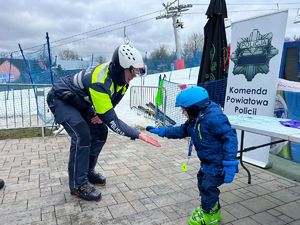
{"points": [[84, 105]]}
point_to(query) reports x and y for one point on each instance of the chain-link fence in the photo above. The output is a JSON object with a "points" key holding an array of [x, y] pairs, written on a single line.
{"points": [[24, 105]]}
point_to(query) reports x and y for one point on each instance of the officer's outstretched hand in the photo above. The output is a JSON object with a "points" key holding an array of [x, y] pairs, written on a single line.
{"points": [[144, 137], [161, 131]]}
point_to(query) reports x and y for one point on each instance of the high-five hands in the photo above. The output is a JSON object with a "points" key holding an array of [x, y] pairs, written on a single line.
{"points": [[161, 131], [144, 137]]}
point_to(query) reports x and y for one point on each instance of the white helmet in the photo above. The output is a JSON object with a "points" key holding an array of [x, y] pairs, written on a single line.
{"points": [[128, 57]]}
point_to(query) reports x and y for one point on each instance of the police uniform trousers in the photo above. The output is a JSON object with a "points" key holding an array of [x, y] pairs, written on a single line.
{"points": [[87, 139]]}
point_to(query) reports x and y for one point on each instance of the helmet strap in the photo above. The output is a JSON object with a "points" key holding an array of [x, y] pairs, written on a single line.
{"points": [[117, 74], [131, 68]]}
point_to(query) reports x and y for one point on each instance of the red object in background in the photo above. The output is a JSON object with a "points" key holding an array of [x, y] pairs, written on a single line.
{"points": [[179, 64], [9, 71], [182, 86]]}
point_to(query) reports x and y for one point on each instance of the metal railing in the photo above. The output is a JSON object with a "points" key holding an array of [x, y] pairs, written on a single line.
{"points": [[24, 105], [143, 99]]}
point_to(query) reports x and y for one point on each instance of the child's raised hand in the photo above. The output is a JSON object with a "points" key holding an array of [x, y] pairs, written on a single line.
{"points": [[161, 131], [148, 128]]}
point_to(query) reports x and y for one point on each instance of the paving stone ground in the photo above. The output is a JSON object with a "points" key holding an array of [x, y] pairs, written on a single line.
{"points": [[145, 185]]}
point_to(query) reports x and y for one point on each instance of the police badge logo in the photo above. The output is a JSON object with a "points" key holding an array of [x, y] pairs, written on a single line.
{"points": [[253, 54]]}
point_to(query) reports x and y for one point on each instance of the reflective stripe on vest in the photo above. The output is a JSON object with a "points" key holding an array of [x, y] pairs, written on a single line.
{"points": [[100, 73], [77, 80], [102, 101], [124, 90]]}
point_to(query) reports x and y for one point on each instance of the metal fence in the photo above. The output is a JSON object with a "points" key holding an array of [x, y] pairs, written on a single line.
{"points": [[24, 105], [144, 100]]}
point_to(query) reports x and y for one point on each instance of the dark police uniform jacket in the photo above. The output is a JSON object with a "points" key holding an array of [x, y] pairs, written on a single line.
{"points": [[93, 91]]}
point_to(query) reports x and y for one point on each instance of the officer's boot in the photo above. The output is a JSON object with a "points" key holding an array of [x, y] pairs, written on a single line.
{"points": [[87, 192], [96, 178]]}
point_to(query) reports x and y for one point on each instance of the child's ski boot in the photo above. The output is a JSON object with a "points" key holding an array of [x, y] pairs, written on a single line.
{"points": [[200, 217]]}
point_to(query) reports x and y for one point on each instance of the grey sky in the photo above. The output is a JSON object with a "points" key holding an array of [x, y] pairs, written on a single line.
{"points": [[27, 21]]}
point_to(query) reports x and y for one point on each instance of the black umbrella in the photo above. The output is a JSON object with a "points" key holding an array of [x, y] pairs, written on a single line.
{"points": [[214, 62]]}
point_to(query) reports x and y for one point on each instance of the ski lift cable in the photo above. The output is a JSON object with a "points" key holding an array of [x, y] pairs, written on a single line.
{"points": [[252, 3], [87, 32], [104, 32]]}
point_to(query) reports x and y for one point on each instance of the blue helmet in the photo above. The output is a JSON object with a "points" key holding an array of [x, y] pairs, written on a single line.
{"points": [[193, 95]]}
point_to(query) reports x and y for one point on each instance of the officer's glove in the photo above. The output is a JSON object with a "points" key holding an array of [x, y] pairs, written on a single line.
{"points": [[161, 131], [230, 168]]}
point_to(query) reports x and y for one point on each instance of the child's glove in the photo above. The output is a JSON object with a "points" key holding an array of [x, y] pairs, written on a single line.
{"points": [[230, 168], [161, 131]]}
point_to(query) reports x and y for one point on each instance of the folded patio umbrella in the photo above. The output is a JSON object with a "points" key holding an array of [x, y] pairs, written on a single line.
{"points": [[214, 61]]}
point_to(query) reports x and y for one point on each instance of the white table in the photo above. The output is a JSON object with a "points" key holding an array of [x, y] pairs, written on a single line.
{"points": [[264, 125], [295, 138]]}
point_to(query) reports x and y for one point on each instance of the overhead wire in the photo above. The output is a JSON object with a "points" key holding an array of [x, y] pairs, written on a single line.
{"points": [[107, 31], [145, 15], [90, 31], [253, 3], [234, 11], [107, 26]]}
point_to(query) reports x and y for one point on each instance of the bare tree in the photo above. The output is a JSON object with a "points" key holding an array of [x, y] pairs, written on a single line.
{"points": [[100, 59], [4, 55], [160, 53], [193, 44], [296, 38], [68, 54]]}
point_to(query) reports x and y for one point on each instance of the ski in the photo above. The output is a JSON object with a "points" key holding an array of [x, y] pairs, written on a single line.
{"points": [[147, 112], [151, 114], [160, 115]]}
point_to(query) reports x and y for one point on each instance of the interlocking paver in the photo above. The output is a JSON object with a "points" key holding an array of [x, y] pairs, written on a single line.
{"points": [[230, 197], [122, 209], [138, 206], [286, 219], [246, 221], [134, 195], [91, 217], [239, 211], [154, 216], [119, 197], [258, 204], [67, 209], [290, 209], [24, 217], [145, 185], [266, 218], [296, 222]]}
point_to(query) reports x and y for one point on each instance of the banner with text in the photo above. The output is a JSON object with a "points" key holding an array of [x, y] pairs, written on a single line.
{"points": [[256, 50]]}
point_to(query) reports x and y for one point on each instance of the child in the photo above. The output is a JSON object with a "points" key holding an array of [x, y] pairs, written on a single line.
{"points": [[216, 144]]}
